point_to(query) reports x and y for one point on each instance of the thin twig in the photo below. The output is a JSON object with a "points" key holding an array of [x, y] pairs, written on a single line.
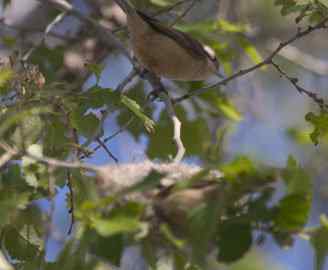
{"points": [[183, 14], [300, 89], [71, 208], [106, 112], [104, 146], [52, 193], [120, 88], [116, 133], [300, 34]]}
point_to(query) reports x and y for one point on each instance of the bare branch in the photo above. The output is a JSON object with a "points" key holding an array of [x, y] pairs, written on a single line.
{"points": [[116, 133], [300, 34], [120, 88], [294, 81], [104, 146], [71, 208]]}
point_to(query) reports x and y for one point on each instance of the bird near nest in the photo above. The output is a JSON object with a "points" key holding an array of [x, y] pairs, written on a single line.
{"points": [[166, 51]]}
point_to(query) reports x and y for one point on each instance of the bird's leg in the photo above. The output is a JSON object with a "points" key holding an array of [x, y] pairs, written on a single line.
{"points": [[156, 83]]}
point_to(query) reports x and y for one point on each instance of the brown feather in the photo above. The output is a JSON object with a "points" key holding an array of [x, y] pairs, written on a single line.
{"points": [[194, 47]]}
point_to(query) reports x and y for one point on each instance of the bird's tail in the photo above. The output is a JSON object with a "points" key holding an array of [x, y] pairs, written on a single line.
{"points": [[126, 6]]}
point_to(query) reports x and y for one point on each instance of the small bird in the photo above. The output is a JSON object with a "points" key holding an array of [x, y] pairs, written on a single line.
{"points": [[166, 51]]}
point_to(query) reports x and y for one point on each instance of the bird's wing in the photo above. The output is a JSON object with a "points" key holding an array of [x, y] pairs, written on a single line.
{"points": [[194, 47]]}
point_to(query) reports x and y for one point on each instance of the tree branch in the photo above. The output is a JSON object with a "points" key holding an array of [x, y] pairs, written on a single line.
{"points": [[104, 146], [300, 89], [300, 34], [47, 160]]}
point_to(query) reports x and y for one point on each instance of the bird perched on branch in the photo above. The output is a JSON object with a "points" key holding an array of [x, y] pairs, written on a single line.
{"points": [[166, 51]]}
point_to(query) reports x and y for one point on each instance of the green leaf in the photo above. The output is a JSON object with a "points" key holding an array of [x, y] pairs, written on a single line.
{"points": [[135, 108], [194, 134], [97, 97], [319, 242], [109, 248], [17, 246], [299, 135], [160, 3], [12, 179], [292, 9], [199, 29], [11, 202], [296, 178], [119, 224], [287, 5], [169, 235], [234, 240], [56, 138], [240, 166], [249, 49], [320, 123], [204, 218], [125, 219], [231, 27], [226, 55], [222, 104], [292, 213], [50, 60], [87, 125], [124, 115]]}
